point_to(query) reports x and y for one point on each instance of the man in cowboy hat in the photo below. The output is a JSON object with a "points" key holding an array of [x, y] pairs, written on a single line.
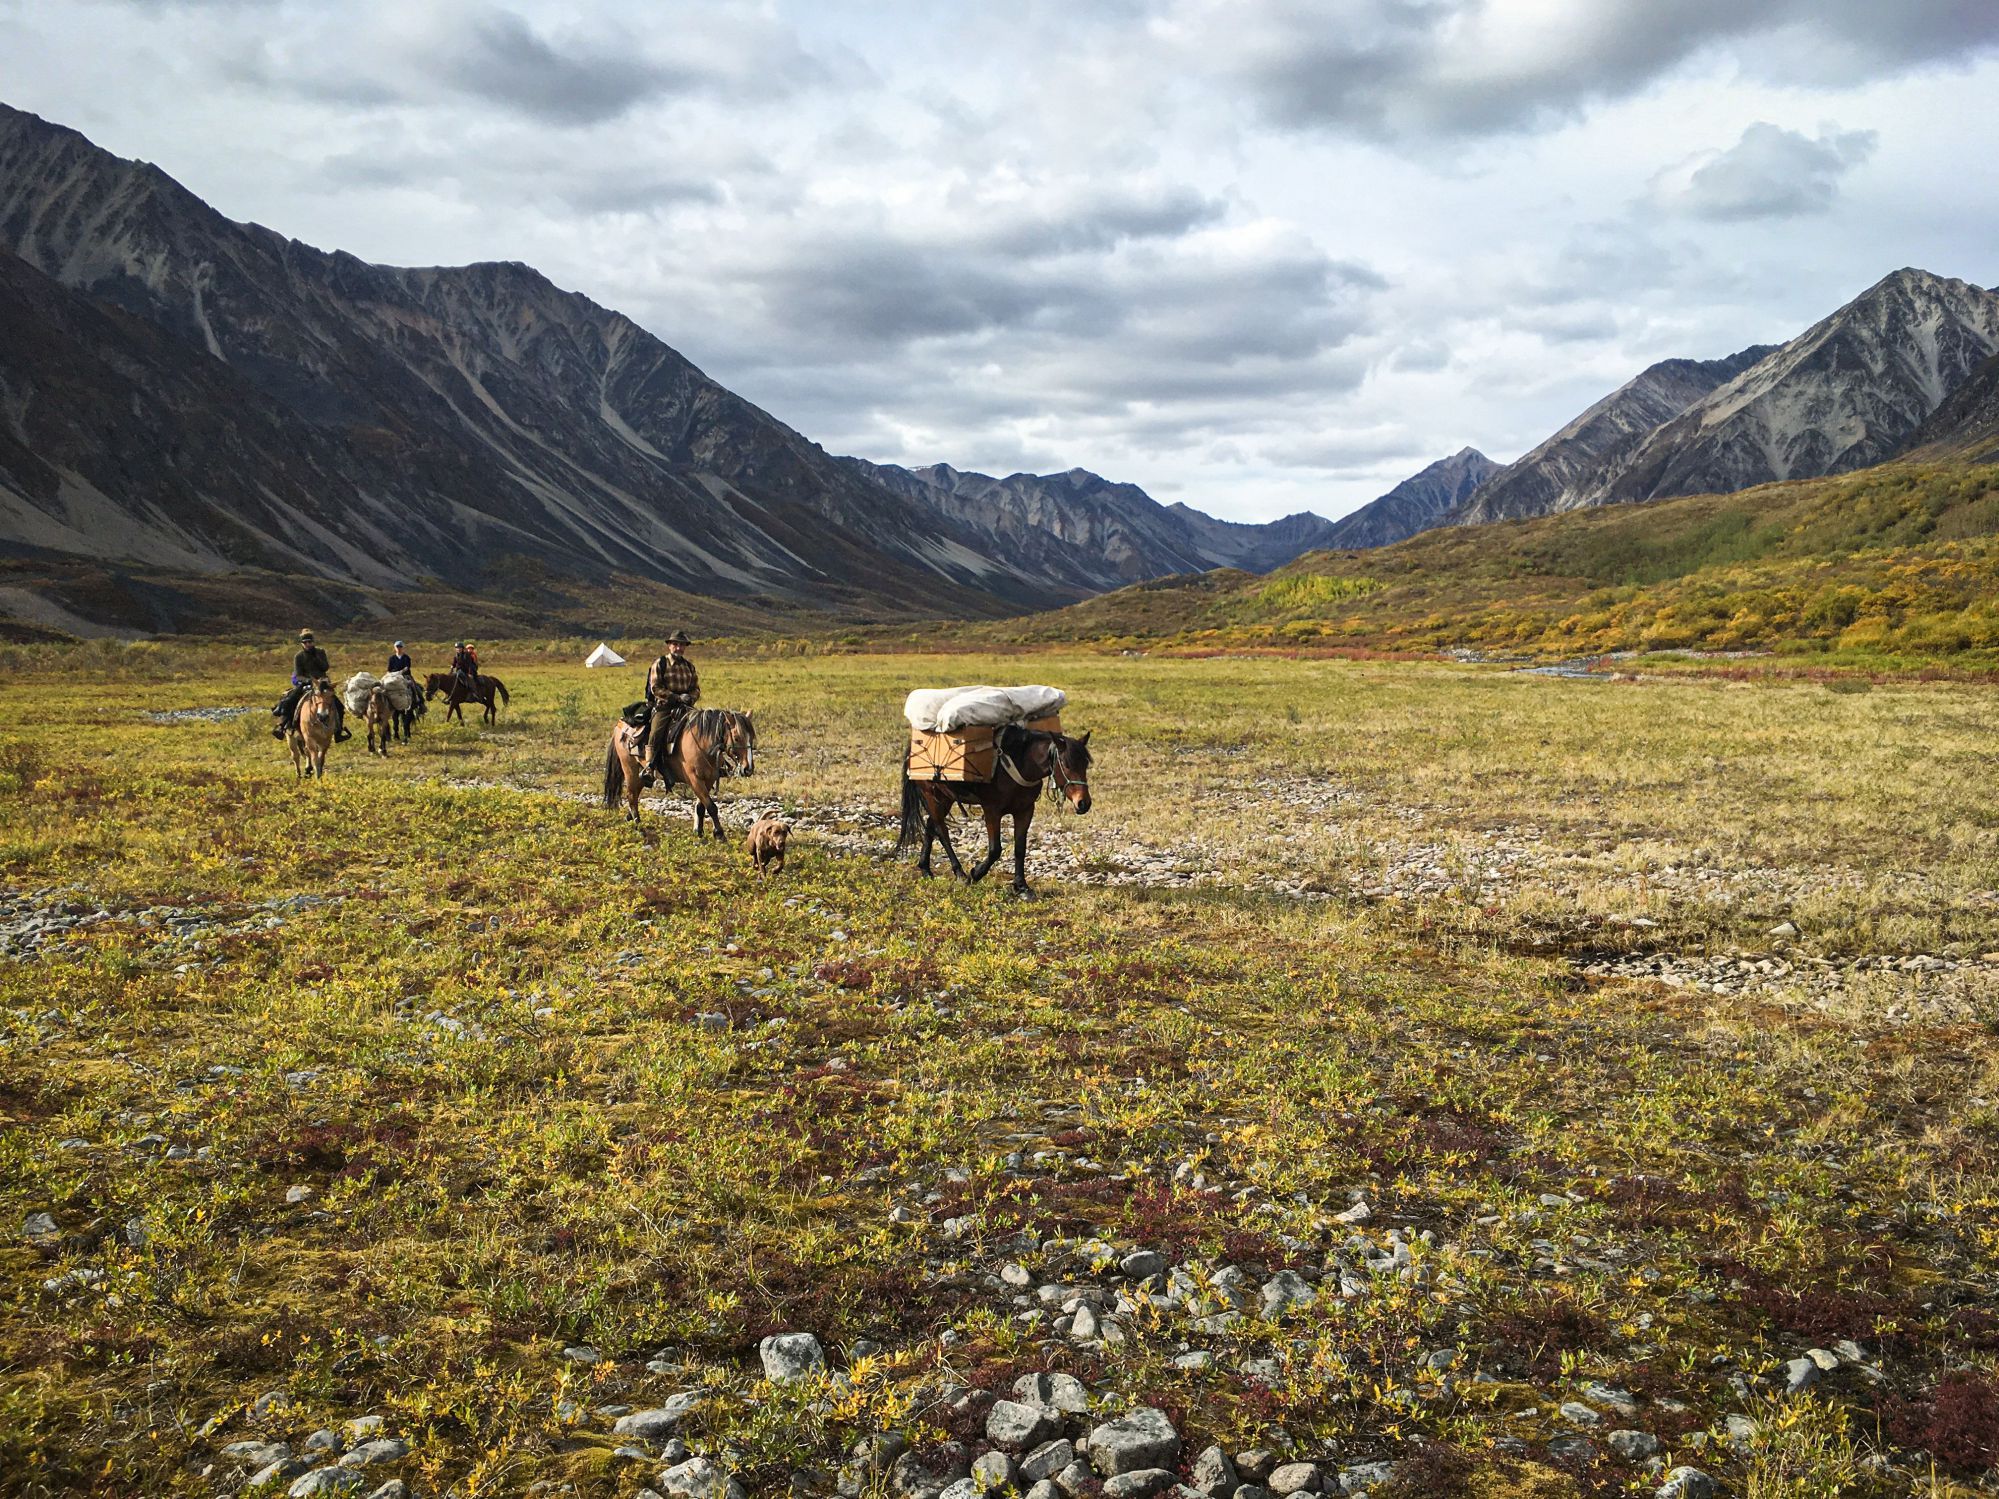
{"points": [[672, 688], [308, 666]]}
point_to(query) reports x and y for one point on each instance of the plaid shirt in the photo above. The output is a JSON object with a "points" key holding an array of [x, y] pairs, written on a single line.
{"points": [[674, 676]]}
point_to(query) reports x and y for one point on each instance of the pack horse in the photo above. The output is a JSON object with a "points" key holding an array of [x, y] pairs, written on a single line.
{"points": [[993, 748]]}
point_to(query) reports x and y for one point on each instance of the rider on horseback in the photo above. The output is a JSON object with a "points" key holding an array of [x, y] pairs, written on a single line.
{"points": [[465, 666], [399, 661], [308, 666], [672, 688]]}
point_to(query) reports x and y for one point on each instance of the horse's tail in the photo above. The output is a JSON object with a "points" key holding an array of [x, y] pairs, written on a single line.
{"points": [[912, 808], [614, 774], [501, 688]]}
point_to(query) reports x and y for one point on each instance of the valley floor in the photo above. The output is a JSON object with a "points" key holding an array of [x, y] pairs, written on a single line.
{"points": [[1327, 1102]]}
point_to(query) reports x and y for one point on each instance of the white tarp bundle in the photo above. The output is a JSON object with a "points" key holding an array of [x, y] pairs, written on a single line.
{"points": [[949, 709], [402, 690], [354, 691], [604, 656]]}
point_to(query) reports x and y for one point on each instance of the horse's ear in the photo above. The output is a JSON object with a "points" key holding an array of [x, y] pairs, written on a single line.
{"points": [[748, 714], [1085, 740]]}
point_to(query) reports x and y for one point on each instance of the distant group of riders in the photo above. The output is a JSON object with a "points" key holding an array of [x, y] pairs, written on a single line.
{"points": [[310, 668]]}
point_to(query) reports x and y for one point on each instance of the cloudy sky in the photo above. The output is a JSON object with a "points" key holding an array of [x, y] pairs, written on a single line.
{"points": [[1258, 255]]}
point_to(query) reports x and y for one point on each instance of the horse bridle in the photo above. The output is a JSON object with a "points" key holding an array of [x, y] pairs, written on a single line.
{"points": [[1057, 772]]}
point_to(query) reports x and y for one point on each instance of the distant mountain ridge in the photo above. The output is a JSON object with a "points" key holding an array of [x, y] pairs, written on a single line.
{"points": [[1105, 532], [1419, 502]]}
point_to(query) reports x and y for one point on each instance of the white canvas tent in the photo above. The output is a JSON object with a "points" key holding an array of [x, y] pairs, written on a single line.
{"points": [[604, 656]]}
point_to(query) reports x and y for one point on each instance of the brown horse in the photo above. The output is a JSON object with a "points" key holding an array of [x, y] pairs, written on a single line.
{"points": [[381, 720], [712, 743], [458, 692], [1029, 759], [310, 732]]}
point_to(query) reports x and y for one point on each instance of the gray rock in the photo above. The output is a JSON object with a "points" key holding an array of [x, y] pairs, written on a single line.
{"points": [[1017, 1425], [1633, 1446], [1800, 1374], [38, 1228], [791, 1355], [298, 1193], [1577, 1414], [1825, 1358], [395, 1488], [699, 1478], [1284, 1291], [1142, 1438], [1047, 1460], [1076, 1479], [1293, 1478], [326, 1439], [1254, 1465], [1741, 1431], [653, 1425], [1139, 1483], [1575, 1447], [276, 1472], [1044, 1489], [1254, 1491], [1062, 1392], [1686, 1483], [253, 1456], [1363, 1476], [993, 1470], [1213, 1474], [326, 1481], [926, 1474], [964, 1488], [381, 1450], [582, 1353], [1143, 1265]]}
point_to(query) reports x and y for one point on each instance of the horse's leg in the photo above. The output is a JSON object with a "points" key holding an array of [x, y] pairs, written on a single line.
{"points": [[715, 815], [944, 837], [1023, 815], [992, 814]]}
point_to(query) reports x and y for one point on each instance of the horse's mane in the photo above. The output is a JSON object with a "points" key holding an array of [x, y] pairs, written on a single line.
{"points": [[713, 723]]}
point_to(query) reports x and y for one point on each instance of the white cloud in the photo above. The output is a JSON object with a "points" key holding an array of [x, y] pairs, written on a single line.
{"points": [[1771, 173]]}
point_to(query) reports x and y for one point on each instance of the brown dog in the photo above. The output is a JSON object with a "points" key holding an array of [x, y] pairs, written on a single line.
{"points": [[766, 844]]}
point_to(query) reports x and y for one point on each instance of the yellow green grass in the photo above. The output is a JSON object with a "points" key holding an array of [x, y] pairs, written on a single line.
{"points": [[485, 1055]]}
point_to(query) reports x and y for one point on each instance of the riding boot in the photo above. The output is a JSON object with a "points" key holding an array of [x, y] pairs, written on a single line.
{"points": [[340, 729]]}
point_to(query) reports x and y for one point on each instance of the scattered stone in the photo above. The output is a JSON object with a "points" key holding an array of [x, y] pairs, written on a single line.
{"points": [[326, 1439], [1577, 1414], [276, 1473], [1254, 1465], [1139, 1483], [582, 1353], [1361, 1477], [1686, 1483], [1285, 1291], [1213, 1474], [1825, 1358], [699, 1478], [926, 1474], [252, 1456], [1142, 1438], [993, 1470], [326, 1481], [1633, 1446], [298, 1193], [395, 1488], [1018, 1426], [791, 1355], [1143, 1265], [1574, 1448], [1293, 1478], [1062, 1392], [40, 1228], [653, 1425], [1047, 1460], [1800, 1374], [1360, 1212], [380, 1450]]}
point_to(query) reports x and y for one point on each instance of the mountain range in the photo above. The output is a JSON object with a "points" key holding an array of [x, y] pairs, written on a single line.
{"points": [[191, 406]]}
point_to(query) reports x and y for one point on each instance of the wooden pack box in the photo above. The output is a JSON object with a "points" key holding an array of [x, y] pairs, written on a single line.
{"points": [[970, 754]]}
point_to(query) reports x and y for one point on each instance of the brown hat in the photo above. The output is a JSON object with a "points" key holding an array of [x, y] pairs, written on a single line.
{"points": [[305, 634], [678, 637]]}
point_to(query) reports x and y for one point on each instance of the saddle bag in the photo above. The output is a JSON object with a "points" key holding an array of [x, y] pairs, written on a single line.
{"points": [[638, 714]]}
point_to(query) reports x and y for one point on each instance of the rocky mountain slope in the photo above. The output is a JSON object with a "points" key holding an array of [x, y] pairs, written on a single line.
{"points": [[179, 390], [1419, 502], [1083, 526], [1564, 471], [1849, 392]]}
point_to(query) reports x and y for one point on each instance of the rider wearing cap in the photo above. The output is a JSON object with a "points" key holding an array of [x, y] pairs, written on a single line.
{"points": [[308, 666], [399, 660], [465, 666]]}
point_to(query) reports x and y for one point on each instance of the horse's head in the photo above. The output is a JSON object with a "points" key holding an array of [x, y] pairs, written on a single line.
{"points": [[322, 700], [1069, 768], [737, 751]]}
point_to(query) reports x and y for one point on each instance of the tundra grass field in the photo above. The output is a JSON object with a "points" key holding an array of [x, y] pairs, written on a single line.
{"points": [[1450, 1080]]}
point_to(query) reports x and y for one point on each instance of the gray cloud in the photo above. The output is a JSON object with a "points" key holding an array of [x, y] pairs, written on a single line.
{"points": [[499, 57], [1417, 68], [1770, 173]]}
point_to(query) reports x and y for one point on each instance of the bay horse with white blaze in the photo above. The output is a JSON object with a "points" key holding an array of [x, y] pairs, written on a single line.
{"points": [[711, 743], [458, 692], [310, 732], [1028, 761]]}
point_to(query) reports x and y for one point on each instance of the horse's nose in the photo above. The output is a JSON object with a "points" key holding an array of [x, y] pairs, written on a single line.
{"points": [[1083, 803]]}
